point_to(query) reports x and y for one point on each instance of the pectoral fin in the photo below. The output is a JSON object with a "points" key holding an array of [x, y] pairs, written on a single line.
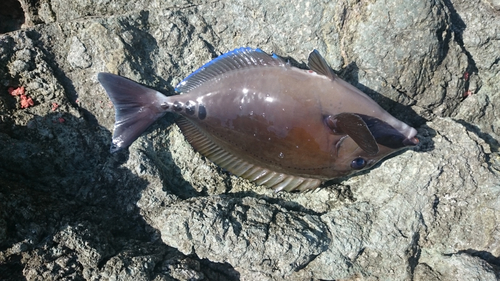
{"points": [[387, 135], [353, 125]]}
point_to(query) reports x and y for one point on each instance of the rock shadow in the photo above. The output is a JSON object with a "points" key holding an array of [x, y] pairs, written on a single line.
{"points": [[74, 200], [11, 16]]}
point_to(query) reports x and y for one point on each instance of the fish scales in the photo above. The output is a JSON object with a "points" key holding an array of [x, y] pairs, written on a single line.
{"points": [[268, 121], [272, 117]]}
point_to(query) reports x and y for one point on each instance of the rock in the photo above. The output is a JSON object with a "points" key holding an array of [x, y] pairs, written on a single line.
{"points": [[78, 56], [223, 229], [459, 266], [159, 211], [477, 23], [495, 4]]}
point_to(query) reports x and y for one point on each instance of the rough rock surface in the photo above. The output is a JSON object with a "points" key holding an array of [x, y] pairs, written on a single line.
{"points": [[159, 211]]}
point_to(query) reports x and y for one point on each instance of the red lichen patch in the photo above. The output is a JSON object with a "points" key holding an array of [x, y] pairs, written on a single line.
{"points": [[17, 91], [54, 106], [59, 120], [467, 93], [23, 98], [26, 101], [466, 76]]}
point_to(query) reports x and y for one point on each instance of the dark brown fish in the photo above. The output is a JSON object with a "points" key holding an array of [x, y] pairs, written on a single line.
{"points": [[265, 120]]}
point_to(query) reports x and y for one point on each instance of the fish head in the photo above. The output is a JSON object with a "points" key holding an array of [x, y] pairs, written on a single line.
{"points": [[367, 140], [352, 159]]}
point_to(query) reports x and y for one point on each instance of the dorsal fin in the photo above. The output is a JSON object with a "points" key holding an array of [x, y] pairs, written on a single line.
{"points": [[355, 127], [233, 60], [239, 167], [319, 65]]}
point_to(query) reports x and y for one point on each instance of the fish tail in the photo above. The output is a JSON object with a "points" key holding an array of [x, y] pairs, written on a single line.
{"points": [[136, 108]]}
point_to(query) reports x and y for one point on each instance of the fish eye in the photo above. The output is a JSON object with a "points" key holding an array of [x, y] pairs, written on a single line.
{"points": [[358, 163]]}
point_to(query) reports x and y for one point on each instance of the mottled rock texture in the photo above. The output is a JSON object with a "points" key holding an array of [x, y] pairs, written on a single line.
{"points": [[159, 211]]}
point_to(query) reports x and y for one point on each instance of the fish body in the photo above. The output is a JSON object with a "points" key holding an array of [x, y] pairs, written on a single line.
{"points": [[265, 120]]}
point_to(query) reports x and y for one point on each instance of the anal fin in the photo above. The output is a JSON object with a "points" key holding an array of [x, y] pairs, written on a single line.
{"points": [[239, 167]]}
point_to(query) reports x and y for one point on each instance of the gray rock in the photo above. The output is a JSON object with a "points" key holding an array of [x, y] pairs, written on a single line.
{"points": [[248, 233], [459, 266], [479, 26], [495, 4], [160, 211], [78, 56]]}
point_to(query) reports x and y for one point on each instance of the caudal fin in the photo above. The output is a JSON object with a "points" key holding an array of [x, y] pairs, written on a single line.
{"points": [[136, 108]]}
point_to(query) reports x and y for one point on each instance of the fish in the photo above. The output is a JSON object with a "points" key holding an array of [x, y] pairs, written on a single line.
{"points": [[262, 119]]}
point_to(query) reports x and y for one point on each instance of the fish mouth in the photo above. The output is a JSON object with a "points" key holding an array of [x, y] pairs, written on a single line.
{"points": [[411, 139], [411, 142]]}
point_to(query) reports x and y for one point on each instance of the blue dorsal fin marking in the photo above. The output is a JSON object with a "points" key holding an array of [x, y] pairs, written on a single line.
{"points": [[319, 65], [233, 60]]}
